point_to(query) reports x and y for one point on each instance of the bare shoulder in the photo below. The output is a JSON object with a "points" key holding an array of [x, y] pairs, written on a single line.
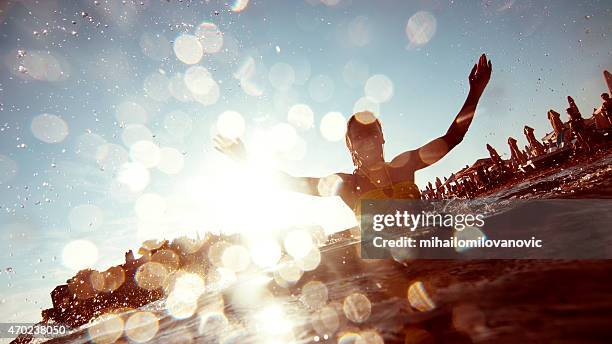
{"points": [[345, 176]]}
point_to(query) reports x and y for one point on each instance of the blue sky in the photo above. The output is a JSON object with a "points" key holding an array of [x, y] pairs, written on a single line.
{"points": [[99, 67]]}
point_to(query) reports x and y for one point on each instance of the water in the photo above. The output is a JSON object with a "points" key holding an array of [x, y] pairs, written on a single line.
{"points": [[348, 300]]}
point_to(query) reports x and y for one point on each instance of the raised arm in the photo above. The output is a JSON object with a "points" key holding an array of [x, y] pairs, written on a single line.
{"points": [[235, 149], [439, 147]]}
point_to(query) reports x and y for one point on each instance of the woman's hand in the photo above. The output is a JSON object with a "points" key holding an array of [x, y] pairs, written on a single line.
{"points": [[233, 148], [480, 75]]}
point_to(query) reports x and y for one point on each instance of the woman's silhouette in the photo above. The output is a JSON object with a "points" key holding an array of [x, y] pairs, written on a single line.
{"points": [[373, 177]]}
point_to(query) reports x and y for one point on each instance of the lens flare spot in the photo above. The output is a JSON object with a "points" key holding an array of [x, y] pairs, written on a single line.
{"points": [[106, 330], [188, 49], [357, 307], [210, 37], [110, 157], [130, 112], [145, 153], [236, 258], [215, 253], [265, 252], [168, 258], [333, 126], [109, 280], [359, 31], [367, 104], [379, 88], [240, 5], [419, 298], [314, 295], [155, 87], [370, 337], [178, 89], [134, 175], [80, 254], [87, 146], [209, 98], [220, 279], [365, 117], [311, 261], [151, 275], [301, 116], [133, 133], [421, 28], [468, 233], [350, 338], [288, 272], [198, 80], [182, 302], [49, 128], [435, 150], [141, 327], [298, 243], [325, 321], [281, 76], [171, 161], [330, 2], [231, 124]]}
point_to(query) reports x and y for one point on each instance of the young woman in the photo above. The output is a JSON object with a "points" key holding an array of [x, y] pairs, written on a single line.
{"points": [[374, 177]]}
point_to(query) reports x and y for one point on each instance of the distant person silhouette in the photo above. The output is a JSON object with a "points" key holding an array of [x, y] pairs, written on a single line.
{"points": [[558, 127], [374, 177], [535, 146], [606, 106], [497, 160], [577, 125], [516, 155]]}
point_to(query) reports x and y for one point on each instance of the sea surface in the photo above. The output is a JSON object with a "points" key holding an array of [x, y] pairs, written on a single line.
{"points": [[349, 300]]}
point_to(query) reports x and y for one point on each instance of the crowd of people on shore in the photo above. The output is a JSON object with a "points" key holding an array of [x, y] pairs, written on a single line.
{"points": [[576, 136]]}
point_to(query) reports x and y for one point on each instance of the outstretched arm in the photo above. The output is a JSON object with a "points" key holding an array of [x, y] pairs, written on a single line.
{"points": [[235, 149], [439, 147]]}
